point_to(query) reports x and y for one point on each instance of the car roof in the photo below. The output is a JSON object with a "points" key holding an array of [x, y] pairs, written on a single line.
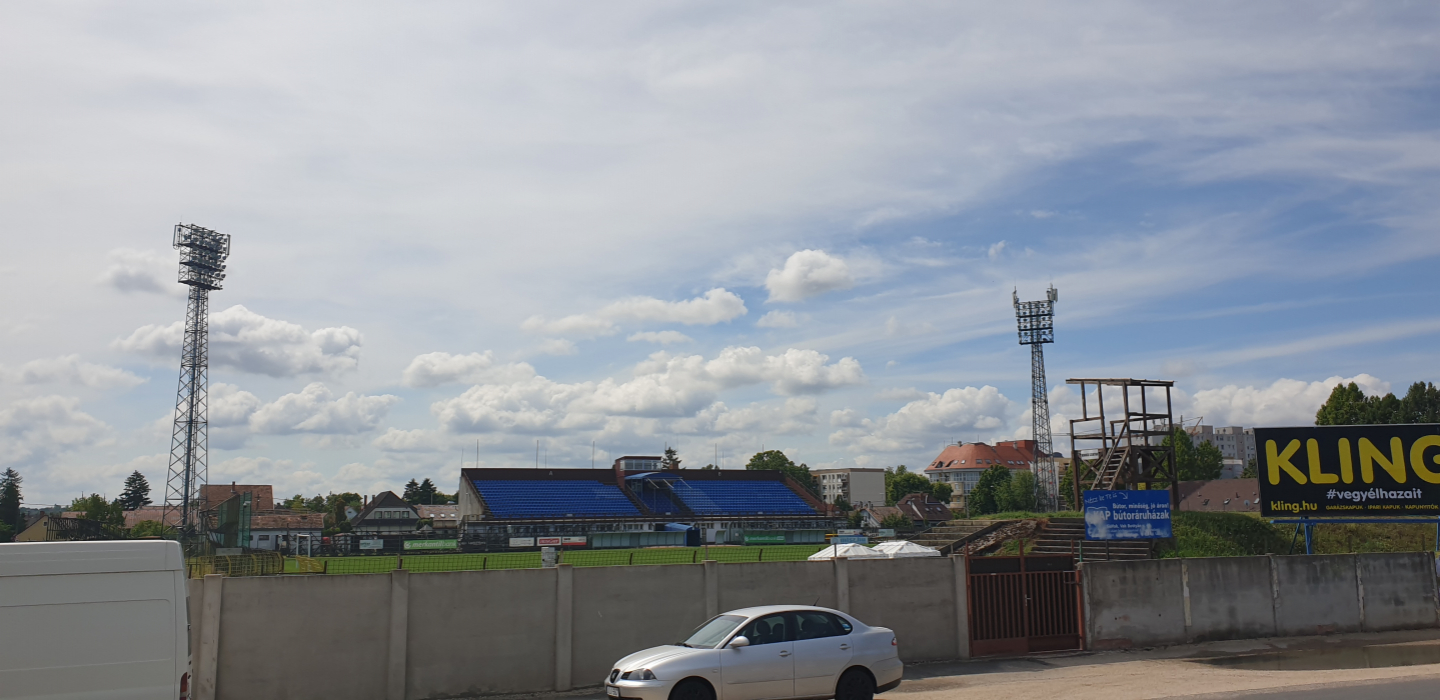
{"points": [[768, 609]]}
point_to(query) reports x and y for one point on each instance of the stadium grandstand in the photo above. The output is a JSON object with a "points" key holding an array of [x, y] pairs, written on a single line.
{"points": [[510, 509]]}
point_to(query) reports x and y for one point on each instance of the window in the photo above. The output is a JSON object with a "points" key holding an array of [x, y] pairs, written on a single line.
{"points": [[710, 634], [811, 624], [264, 538], [771, 629]]}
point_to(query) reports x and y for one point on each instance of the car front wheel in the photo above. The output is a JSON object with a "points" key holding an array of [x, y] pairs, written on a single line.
{"points": [[692, 689], [855, 685]]}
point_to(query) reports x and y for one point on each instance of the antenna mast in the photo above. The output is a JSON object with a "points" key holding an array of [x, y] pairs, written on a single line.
{"points": [[202, 267], [1036, 321]]}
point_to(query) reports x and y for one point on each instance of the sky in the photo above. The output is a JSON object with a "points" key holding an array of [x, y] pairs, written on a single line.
{"points": [[464, 232]]}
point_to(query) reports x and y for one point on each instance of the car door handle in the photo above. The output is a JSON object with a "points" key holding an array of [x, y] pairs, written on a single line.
{"points": [[784, 653], [844, 646]]}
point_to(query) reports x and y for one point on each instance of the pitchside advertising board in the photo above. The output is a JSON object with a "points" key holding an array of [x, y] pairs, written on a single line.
{"points": [[1349, 470]]}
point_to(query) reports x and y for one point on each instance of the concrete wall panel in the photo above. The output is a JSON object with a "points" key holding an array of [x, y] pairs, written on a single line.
{"points": [[1230, 598], [777, 583], [1133, 604], [1317, 595], [1399, 590], [914, 597], [481, 632], [623, 609], [297, 637]]}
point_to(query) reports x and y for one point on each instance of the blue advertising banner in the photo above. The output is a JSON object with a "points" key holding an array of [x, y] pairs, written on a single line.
{"points": [[1127, 515]]}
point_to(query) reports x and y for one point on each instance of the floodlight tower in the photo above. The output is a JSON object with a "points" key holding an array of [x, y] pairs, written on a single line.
{"points": [[202, 267], [1036, 320]]}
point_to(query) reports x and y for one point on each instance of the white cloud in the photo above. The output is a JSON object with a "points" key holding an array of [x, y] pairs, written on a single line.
{"points": [[808, 273], [316, 410], [1041, 213], [718, 305], [246, 341], [661, 337], [996, 249], [229, 405], [436, 368], [900, 394], [34, 431], [143, 271], [662, 385], [396, 440], [927, 421], [1285, 402], [797, 415], [557, 346], [71, 369], [778, 319]]}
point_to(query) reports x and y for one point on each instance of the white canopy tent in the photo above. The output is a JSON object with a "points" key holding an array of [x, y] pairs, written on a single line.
{"points": [[905, 548], [848, 550]]}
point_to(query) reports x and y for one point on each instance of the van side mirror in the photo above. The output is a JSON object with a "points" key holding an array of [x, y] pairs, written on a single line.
{"points": [[738, 642]]}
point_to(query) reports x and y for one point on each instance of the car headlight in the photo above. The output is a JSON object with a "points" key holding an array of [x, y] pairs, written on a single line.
{"points": [[643, 674]]}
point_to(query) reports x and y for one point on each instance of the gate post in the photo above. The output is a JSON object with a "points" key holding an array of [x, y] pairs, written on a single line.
{"points": [[962, 606]]}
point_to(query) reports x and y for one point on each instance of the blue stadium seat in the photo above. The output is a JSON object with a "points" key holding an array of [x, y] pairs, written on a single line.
{"points": [[523, 498], [741, 498]]}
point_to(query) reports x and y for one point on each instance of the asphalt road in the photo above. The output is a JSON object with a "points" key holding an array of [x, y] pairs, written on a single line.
{"points": [[1424, 689]]}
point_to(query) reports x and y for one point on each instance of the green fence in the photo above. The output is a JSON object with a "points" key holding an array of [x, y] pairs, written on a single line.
{"points": [[531, 560]]}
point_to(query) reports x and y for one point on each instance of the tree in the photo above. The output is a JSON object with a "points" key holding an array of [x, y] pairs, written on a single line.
{"points": [[1022, 492], [775, 460], [412, 490], [151, 528], [990, 492], [136, 492], [901, 482], [854, 519], [897, 521], [109, 514], [709, 466], [842, 504], [941, 491], [10, 499], [1252, 470], [1195, 463], [1348, 405], [335, 504], [671, 460]]}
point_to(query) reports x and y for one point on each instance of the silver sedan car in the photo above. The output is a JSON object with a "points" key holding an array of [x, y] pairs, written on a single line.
{"points": [[765, 653]]}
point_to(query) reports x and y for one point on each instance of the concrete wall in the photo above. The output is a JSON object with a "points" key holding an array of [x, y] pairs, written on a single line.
{"points": [[434, 635], [1176, 601]]}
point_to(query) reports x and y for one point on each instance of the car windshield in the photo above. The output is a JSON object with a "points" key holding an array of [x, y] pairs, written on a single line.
{"points": [[710, 634]]}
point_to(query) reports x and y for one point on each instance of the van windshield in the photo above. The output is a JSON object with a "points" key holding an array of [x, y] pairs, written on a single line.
{"points": [[710, 634]]}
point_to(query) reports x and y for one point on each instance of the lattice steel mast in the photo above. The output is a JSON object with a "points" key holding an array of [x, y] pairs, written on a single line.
{"points": [[202, 266], [1036, 320]]}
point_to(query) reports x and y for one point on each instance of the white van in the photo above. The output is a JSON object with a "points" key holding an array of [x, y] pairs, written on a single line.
{"points": [[92, 620]]}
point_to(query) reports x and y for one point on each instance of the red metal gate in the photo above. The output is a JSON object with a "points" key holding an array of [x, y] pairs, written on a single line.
{"points": [[1020, 605]]}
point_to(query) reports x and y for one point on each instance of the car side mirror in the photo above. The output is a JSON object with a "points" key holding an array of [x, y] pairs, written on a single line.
{"points": [[738, 642]]}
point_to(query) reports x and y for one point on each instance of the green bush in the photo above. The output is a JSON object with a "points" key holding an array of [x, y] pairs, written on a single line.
{"points": [[1226, 535]]}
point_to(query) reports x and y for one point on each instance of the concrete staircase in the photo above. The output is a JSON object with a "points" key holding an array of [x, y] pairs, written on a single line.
{"points": [[950, 538], [1067, 536]]}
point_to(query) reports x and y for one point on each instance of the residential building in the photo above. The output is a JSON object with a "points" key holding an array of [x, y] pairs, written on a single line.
{"points": [[872, 517], [385, 514], [922, 508], [1232, 495], [859, 487], [1234, 442], [445, 520], [961, 464], [286, 531], [262, 496]]}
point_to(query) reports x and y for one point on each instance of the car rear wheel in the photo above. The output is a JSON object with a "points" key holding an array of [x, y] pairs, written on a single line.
{"points": [[692, 689], [855, 685]]}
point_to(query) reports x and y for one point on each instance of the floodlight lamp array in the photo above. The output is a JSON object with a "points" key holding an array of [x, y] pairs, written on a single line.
{"points": [[202, 255], [1036, 319]]}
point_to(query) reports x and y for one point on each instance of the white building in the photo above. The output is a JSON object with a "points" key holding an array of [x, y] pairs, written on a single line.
{"points": [[296, 533], [386, 514], [856, 486], [1234, 442]]}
